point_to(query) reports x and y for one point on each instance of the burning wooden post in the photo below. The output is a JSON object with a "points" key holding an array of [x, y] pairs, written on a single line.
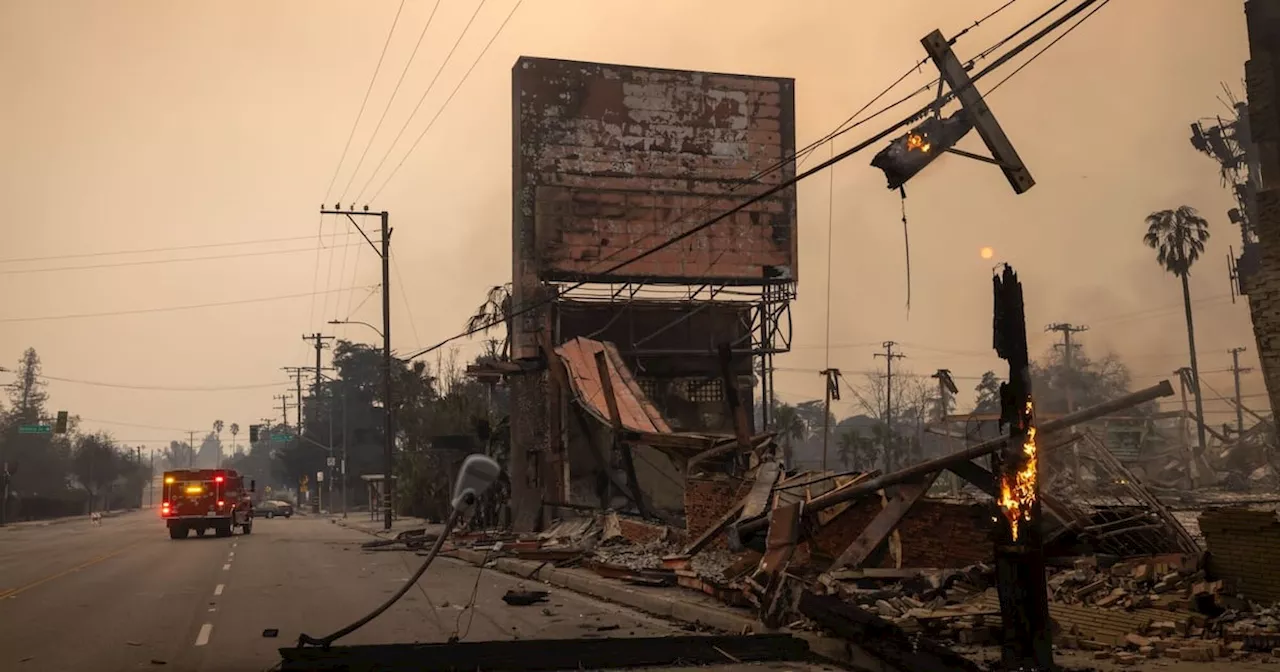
{"points": [[1020, 580]]}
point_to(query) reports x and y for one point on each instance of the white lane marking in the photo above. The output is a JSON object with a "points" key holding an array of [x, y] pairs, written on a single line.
{"points": [[226, 567], [217, 590], [203, 637], [232, 554], [233, 544]]}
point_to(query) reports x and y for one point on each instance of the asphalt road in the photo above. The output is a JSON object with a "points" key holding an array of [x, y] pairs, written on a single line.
{"points": [[123, 596]]}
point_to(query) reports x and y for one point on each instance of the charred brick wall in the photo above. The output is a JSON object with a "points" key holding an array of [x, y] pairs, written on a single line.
{"points": [[640, 532], [611, 160], [1243, 545], [1262, 80], [706, 500], [935, 534]]}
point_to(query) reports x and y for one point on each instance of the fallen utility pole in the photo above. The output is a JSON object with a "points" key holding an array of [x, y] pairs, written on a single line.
{"points": [[383, 250], [1163, 389], [1024, 602]]}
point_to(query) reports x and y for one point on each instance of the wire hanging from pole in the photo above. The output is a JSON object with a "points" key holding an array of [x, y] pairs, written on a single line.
{"points": [[906, 243]]}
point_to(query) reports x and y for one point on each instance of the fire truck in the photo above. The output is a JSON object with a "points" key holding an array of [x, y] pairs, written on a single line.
{"points": [[206, 499]]}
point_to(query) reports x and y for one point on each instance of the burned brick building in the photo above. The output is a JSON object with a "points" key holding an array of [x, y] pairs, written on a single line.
{"points": [[1259, 265], [609, 163]]}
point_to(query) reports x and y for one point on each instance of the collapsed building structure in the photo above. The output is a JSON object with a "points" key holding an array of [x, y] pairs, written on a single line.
{"points": [[610, 162]]}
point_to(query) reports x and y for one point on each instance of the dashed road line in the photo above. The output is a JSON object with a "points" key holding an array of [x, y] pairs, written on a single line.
{"points": [[203, 637], [217, 590], [226, 567]]}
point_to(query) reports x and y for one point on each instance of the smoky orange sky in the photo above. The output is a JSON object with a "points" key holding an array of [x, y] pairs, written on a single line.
{"points": [[155, 124]]}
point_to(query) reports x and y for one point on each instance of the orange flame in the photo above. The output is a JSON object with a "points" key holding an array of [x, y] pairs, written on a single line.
{"points": [[1018, 491], [918, 141]]}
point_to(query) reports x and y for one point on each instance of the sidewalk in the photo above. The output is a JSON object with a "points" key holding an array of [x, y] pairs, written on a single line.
{"points": [[362, 523], [675, 603]]}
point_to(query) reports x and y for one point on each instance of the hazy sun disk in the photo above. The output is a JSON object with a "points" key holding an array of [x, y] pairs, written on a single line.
{"points": [[987, 253]]}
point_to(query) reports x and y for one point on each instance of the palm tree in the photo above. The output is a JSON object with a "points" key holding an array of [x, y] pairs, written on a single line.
{"points": [[493, 312], [217, 429], [235, 429], [1178, 237]]}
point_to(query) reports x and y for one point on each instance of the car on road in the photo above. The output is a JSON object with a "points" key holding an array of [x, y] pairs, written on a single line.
{"points": [[273, 508]]}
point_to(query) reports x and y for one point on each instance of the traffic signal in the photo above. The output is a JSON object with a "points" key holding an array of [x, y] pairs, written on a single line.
{"points": [[253, 433], [60, 427], [909, 154]]}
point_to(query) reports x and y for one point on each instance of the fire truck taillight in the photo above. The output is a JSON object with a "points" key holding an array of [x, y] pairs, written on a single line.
{"points": [[221, 503], [217, 479]]}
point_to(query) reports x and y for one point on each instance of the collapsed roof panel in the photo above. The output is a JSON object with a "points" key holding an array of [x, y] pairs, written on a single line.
{"points": [[634, 408]]}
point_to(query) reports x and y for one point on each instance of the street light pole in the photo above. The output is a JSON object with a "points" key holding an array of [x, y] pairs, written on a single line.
{"points": [[383, 250]]}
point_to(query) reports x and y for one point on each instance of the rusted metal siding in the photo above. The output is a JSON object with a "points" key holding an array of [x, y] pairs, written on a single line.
{"points": [[613, 160]]}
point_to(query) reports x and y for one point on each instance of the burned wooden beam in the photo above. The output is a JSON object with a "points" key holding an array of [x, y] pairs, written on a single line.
{"points": [[741, 422], [615, 419], [1164, 389]]}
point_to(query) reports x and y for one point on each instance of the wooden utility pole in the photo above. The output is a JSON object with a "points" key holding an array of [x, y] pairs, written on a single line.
{"points": [[320, 345], [297, 382], [946, 391], [1068, 356], [1236, 371], [832, 393], [191, 455], [891, 439], [284, 408], [1020, 567], [1193, 466], [383, 250]]}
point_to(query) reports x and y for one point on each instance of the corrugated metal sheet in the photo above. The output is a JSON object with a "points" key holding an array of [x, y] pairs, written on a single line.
{"points": [[638, 415], [612, 160]]}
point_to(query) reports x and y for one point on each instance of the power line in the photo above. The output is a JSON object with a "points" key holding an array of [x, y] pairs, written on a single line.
{"points": [[414, 113], [785, 184], [431, 123], [395, 90], [141, 311], [159, 388], [368, 90], [177, 248], [134, 424], [1047, 47], [151, 262]]}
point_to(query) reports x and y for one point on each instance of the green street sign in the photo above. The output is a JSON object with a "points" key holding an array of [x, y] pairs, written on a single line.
{"points": [[35, 429], [281, 438]]}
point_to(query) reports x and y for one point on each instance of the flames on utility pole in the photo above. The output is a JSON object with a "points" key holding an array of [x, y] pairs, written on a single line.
{"points": [[1020, 566]]}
